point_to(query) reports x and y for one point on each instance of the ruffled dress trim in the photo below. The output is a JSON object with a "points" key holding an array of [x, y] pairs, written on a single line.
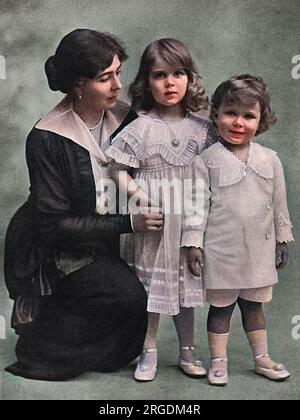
{"points": [[158, 259], [131, 136]]}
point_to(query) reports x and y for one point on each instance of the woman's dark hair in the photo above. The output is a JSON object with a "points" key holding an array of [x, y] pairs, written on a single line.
{"points": [[246, 90], [173, 52], [81, 53]]}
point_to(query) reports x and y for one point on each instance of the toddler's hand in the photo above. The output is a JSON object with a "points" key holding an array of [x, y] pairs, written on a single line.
{"points": [[195, 260], [282, 255]]}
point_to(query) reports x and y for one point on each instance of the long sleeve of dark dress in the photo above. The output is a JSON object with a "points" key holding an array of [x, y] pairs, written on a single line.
{"points": [[62, 198], [59, 215], [94, 318]]}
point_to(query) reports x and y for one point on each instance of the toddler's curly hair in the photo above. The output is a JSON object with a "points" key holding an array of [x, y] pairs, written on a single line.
{"points": [[247, 90]]}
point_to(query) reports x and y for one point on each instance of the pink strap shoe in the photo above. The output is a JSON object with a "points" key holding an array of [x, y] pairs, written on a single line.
{"points": [[277, 372], [146, 367], [195, 368], [218, 374]]}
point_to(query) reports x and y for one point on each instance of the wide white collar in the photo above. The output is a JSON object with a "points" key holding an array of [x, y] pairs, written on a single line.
{"points": [[232, 169], [64, 121]]}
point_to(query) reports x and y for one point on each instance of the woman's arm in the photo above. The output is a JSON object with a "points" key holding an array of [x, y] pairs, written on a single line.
{"points": [[50, 196]]}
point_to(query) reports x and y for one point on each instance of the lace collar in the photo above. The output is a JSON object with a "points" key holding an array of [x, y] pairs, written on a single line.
{"points": [[232, 170]]}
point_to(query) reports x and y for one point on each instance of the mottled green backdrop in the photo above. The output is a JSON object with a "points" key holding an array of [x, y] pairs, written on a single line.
{"points": [[226, 38]]}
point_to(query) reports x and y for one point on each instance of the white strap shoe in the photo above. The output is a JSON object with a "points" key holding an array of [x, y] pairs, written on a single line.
{"points": [[147, 365], [276, 372], [195, 368], [218, 374]]}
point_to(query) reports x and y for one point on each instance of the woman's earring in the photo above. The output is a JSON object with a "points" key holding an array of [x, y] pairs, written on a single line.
{"points": [[79, 96]]}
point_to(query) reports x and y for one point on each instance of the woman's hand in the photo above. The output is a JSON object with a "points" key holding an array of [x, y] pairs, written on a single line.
{"points": [[149, 219], [195, 260], [282, 255]]}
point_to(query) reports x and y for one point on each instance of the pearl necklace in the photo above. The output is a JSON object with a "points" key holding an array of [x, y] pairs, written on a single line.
{"points": [[99, 123], [175, 142]]}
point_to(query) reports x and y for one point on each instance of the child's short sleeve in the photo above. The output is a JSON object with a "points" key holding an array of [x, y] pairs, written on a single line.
{"points": [[127, 147]]}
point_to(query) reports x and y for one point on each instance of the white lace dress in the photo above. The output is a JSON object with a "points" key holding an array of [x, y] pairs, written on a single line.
{"points": [[147, 145]]}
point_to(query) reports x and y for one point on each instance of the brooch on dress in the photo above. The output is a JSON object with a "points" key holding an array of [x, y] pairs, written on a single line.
{"points": [[175, 142]]}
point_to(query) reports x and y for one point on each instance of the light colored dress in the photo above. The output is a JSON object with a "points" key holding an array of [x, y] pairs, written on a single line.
{"points": [[147, 145], [247, 214]]}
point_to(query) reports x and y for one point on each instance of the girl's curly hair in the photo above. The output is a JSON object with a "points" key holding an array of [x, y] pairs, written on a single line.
{"points": [[173, 52]]}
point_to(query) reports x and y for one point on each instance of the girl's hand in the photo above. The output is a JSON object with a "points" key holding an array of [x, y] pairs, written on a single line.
{"points": [[282, 255], [195, 260], [150, 219]]}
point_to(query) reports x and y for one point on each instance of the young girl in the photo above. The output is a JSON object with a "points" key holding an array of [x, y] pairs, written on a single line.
{"points": [[159, 146], [248, 223]]}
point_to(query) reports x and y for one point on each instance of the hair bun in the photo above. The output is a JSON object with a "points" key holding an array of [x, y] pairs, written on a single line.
{"points": [[51, 73]]}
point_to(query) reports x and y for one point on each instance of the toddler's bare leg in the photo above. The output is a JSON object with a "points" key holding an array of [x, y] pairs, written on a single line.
{"points": [[255, 328], [218, 325]]}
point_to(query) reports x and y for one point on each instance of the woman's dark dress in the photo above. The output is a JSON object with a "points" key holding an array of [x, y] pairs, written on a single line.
{"points": [[93, 318]]}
